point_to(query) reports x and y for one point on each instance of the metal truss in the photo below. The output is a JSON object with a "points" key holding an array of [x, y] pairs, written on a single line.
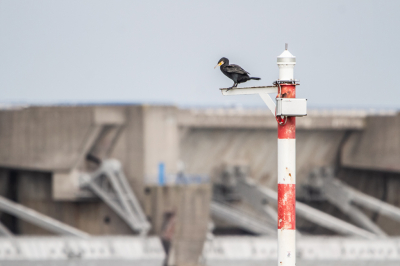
{"points": [[259, 196], [39, 219], [261, 199], [109, 183], [347, 198], [4, 231], [243, 220]]}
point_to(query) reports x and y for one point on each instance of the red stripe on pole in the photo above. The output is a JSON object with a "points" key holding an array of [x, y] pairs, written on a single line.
{"points": [[288, 130], [288, 91], [287, 206]]}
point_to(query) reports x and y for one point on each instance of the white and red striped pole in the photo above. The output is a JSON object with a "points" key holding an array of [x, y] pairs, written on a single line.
{"points": [[286, 166]]}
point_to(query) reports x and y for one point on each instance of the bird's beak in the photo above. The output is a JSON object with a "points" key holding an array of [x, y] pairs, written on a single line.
{"points": [[220, 63]]}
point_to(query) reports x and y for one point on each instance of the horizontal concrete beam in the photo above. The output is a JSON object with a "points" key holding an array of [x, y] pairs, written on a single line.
{"points": [[261, 118], [98, 250], [312, 251]]}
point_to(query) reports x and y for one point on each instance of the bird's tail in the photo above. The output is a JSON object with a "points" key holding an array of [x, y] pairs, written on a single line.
{"points": [[254, 78]]}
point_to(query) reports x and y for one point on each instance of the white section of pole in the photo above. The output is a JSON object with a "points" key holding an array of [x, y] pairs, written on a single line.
{"points": [[287, 247], [286, 161]]}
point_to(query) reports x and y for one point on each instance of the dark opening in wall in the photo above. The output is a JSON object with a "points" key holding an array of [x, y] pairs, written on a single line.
{"points": [[10, 183]]}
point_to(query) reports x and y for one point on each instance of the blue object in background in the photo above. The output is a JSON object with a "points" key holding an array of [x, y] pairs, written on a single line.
{"points": [[161, 174], [180, 179]]}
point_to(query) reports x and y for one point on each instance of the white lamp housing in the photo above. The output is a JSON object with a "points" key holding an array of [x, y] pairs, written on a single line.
{"points": [[286, 62]]}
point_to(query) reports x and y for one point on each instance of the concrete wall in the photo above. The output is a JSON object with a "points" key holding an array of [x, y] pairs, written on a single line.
{"points": [[379, 184], [377, 147], [39, 142], [43, 138], [93, 217], [180, 215], [203, 150], [161, 140]]}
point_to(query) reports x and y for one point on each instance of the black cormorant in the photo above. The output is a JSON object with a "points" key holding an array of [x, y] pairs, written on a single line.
{"points": [[234, 72]]}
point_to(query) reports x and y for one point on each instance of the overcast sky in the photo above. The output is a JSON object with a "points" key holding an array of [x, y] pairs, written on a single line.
{"points": [[165, 51]]}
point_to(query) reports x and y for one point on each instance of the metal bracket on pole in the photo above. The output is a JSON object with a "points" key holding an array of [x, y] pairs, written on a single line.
{"points": [[263, 91]]}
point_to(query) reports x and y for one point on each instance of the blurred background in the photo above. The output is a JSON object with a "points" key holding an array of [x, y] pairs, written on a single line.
{"points": [[116, 145]]}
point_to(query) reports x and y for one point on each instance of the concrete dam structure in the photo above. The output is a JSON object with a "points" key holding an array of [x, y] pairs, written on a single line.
{"points": [[93, 172]]}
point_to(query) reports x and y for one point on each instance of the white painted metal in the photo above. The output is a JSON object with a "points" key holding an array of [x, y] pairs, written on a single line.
{"points": [[286, 62], [262, 91], [121, 194], [121, 199], [286, 161], [249, 90], [286, 247], [269, 102], [291, 107], [39, 219], [286, 175], [110, 201]]}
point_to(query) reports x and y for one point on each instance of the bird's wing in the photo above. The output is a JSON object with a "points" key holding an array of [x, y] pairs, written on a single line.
{"points": [[235, 69]]}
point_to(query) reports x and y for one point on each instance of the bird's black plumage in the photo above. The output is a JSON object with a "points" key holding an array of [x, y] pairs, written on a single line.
{"points": [[234, 72]]}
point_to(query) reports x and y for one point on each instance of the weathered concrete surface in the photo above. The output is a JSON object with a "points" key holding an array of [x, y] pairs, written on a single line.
{"points": [[180, 215], [43, 138], [38, 142], [192, 224], [202, 150], [377, 147], [214, 137], [93, 217], [54, 139], [381, 185], [262, 119], [160, 140]]}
